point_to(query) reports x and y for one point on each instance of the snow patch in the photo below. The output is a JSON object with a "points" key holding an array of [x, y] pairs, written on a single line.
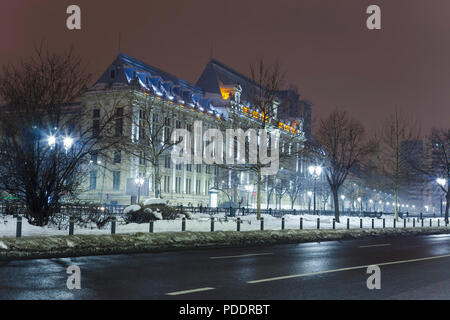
{"points": [[154, 201], [132, 208], [3, 245]]}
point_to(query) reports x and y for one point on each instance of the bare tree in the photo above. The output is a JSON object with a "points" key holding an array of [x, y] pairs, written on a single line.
{"points": [[45, 148], [343, 143], [153, 139], [262, 94], [436, 166], [397, 138]]}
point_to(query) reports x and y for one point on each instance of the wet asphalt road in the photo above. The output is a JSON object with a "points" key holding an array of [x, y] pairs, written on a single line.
{"points": [[301, 271]]}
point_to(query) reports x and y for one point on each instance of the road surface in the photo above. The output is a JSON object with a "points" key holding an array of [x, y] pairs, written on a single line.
{"points": [[413, 267]]}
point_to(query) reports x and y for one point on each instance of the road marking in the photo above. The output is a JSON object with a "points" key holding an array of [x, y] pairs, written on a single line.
{"points": [[243, 255], [347, 269], [177, 293], [376, 245]]}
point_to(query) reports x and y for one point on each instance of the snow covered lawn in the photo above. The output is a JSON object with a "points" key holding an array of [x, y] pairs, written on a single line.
{"points": [[202, 223]]}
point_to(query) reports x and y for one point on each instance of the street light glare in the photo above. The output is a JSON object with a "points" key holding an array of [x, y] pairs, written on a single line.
{"points": [[441, 181], [68, 142], [51, 141]]}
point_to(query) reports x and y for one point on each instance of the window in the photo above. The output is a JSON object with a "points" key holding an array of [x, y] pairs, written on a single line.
{"points": [[189, 167], [208, 169], [119, 122], [197, 187], [142, 131], [188, 186], [94, 157], [166, 184], [113, 73], [116, 180], [166, 135], [142, 158], [216, 170], [95, 128], [93, 180], [96, 113], [178, 166], [199, 168], [117, 156], [178, 184], [178, 124], [167, 162]]}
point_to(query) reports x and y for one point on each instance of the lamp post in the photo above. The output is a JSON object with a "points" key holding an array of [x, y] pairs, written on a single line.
{"points": [[309, 201], [139, 182], [315, 172], [343, 200], [360, 206], [442, 182], [249, 189]]}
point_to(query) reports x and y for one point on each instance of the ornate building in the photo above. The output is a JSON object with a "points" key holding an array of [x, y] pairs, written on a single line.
{"points": [[150, 95]]}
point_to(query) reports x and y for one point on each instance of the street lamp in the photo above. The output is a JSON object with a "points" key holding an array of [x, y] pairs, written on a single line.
{"points": [[248, 188], [51, 141], [360, 205], [315, 172], [309, 201], [343, 200], [442, 182], [67, 142], [139, 182]]}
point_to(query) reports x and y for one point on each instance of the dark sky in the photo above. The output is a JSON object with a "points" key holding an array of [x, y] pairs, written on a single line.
{"points": [[323, 46]]}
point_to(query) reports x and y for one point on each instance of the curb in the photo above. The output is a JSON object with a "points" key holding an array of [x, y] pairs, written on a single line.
{"points": [[89, 245]]}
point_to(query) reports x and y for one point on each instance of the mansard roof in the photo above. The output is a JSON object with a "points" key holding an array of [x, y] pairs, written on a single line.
{"points": [[126, 70], [217, 75]]}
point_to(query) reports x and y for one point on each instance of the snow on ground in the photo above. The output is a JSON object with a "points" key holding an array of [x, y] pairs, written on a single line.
{"points": [[202, 222]]}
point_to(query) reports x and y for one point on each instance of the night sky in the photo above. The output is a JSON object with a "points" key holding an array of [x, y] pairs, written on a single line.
{"points": [[323, 46]]}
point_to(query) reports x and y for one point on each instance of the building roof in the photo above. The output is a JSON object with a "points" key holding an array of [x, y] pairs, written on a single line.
{"points": [[126, 70]]}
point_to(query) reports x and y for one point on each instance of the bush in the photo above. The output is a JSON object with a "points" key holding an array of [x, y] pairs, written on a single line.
{"points": [[153, 212]]}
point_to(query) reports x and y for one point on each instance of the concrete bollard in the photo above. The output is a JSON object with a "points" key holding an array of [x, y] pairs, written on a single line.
{"points": [[395, 223], [262, 223], [212, 224], [414, 222], [113, 225], [422, 223], [404, 223], [360, 223], [301, 223], [183, 224], [282, 223], [150, 227], [384, 223], [238, 227], [334, 223], [373, 224], [348, 223], [439, 223], [19, 227], [318, 223], [431, 222], [71, 226]]}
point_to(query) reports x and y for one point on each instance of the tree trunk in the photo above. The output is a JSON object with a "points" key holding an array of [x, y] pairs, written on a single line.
{"points": [[396, 203], [258, 195], [336, 203], [155, 180], [447, 205]]}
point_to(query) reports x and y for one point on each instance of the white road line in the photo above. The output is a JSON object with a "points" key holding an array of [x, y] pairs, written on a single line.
{"points": [[177, 293], [242, 255], [376, 245], [348, 268]]}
